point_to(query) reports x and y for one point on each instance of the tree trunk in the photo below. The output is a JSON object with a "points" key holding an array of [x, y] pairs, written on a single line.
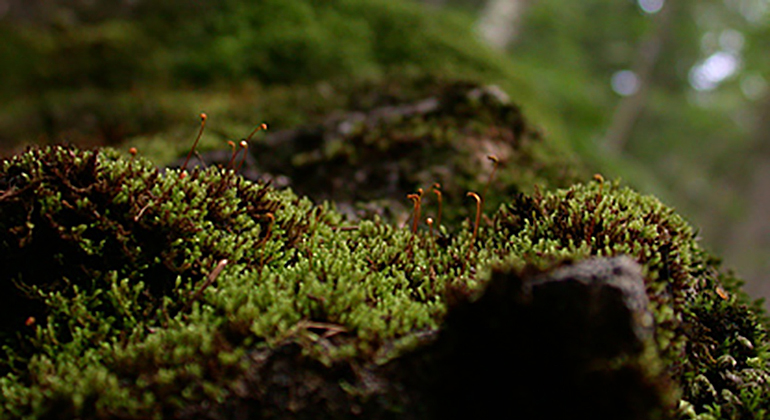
{"points": [[500, 20], [750, 239], [631, 107]]}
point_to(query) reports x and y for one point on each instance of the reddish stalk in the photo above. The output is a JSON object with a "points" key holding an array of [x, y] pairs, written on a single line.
{"points": [[245, 147], [232, 157], [262, 126], [209, 281], [195, 144], [269, 226], [600, 179], [432, 242], [417, 199]]}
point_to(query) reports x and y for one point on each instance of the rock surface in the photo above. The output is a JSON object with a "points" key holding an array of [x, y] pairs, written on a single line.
{"points": [[570, 342]]}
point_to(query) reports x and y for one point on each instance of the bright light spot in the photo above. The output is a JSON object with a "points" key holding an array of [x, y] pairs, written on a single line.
{"points": [[731, 40], [651, 6], [715, 69], [625, 83], [754, 86]]}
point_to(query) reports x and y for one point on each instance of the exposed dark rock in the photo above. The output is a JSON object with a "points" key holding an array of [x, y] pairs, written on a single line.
{"points": [[572, 342]]}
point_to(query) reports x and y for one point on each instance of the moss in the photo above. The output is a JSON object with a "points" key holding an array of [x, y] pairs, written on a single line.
{"points": [[123, 218], [137, 293], [142, 60], [108, 285], [701, 314]]}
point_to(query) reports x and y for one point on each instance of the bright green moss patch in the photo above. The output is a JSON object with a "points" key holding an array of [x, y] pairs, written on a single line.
{"points": [[77, 219], [108, 258], [135, 293]]}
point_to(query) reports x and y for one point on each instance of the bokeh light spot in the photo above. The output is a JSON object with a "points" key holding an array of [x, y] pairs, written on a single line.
{"points": [[715, 69], [754, 86], [651, 6], [625, 83]]}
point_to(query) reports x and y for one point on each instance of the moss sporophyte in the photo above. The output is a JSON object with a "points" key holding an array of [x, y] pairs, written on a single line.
{"points": [[129, 292], [243, 146], [417, 201], [195, 144]]}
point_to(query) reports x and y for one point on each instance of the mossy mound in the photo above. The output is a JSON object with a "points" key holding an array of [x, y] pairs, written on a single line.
{"points": [[111, 264], [136, 293]]}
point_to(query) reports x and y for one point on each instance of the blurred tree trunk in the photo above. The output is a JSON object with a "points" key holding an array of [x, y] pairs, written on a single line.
{"points": [[648, 55], [750, 238], [500, 21]]}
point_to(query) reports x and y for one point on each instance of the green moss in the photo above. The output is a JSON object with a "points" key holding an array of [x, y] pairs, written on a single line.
{"points": [[700, 313], [134, 309], [128, 72], [135, 293]]}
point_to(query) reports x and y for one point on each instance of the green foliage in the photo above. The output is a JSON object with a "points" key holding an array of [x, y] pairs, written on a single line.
{"points": [[108, 78], [124, 221], [685, 143], [112, 54]]}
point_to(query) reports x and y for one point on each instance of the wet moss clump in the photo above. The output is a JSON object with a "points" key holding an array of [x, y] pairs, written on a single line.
{"points": [[131, 292]]}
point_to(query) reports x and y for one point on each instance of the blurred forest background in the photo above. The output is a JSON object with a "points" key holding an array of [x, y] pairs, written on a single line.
{"points": [[672, 96]]}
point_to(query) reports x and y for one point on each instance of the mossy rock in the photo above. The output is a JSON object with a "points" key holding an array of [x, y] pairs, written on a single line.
{"points": [[132, 292], [403, 135], [701, 314]]}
